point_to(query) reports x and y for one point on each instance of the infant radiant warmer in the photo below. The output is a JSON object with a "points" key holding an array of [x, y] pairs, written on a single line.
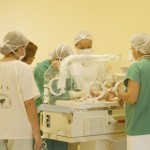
{"points": [[95, 121]]}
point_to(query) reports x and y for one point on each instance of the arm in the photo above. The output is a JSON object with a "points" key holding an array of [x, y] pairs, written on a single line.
{"points": [[132, 93], [33, 118]]}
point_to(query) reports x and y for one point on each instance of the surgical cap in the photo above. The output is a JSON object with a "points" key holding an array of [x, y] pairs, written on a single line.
{"points": [[12, 41], [61, 51], [81, 36], [141, 42]]}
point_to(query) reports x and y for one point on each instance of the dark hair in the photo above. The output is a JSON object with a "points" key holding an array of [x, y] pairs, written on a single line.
{"points": [[30, 51]]}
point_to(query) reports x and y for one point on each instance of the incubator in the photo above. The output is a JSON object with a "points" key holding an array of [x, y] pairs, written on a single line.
{"points": [[80, 102]]}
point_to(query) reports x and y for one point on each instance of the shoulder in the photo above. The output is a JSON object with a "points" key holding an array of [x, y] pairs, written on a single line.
{"points": [[134, 69], [133, 73], [21, 65], [135, 65], [43, 64], [18, 69], [22, 69], [138, 65]]}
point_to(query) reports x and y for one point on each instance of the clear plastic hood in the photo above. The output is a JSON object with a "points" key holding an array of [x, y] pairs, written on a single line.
{"points": [[86, 68], [83, 77]]}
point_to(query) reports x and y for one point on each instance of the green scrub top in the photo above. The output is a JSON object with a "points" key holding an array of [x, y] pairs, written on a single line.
{"points": [[39, 71], [138, 114]]}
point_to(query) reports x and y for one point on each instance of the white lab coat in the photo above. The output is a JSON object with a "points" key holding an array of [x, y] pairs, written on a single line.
{"points": [[84, 74]]}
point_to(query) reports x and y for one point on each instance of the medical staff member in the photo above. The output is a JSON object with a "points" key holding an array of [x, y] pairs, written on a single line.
{"points": [[83, 45], [60, 52], [137, 96], [83, 42], [18, 90]]}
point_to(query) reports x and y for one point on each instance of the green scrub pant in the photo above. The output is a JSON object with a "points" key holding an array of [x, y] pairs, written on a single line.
{"points": [[56, 145]]}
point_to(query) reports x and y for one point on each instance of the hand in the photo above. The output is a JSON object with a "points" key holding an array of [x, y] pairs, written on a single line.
{"points": [[112, 93], [120, 100], [109, 96], [38, 141], [94, 93]]}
